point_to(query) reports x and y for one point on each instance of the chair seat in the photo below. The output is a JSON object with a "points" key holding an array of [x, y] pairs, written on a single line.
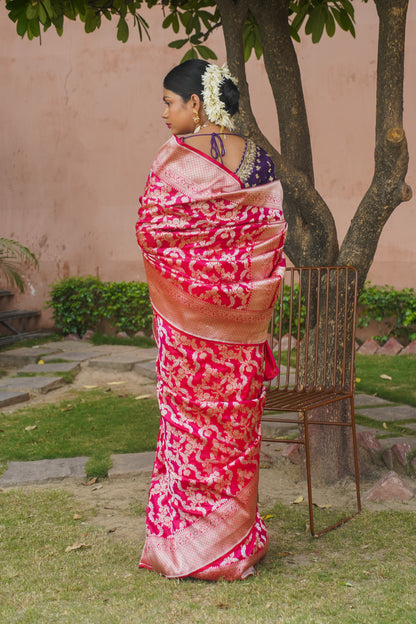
{"points": [[291, 400]]}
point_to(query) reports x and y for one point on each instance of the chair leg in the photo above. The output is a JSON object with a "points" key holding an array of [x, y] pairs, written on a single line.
{"points": [[309, 476], [308, 471], [355, 451]]}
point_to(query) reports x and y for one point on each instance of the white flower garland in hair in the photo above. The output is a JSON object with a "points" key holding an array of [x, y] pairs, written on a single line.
{"points": [[213, 105]]}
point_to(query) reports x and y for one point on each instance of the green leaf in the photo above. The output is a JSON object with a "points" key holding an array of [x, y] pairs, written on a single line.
{"points": [[58, 22], [330, 25], [185, 17], [191, 54], [294, 34], [168, 20], [179, 43], [175, 23], [21, 26], [193, 24], [31, 11], [48, 8], [42, 14], [205, 52], [122, 30], [348, 7], [206, 18]]}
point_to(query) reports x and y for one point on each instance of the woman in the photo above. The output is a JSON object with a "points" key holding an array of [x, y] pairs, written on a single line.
{"points": [[211, 231]]}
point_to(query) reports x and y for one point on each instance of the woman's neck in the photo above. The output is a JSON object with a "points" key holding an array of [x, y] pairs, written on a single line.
{"points": [[209, 127]]}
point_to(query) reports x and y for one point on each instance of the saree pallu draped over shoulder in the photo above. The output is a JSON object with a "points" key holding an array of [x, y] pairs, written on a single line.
{"points": [[213, 257]]}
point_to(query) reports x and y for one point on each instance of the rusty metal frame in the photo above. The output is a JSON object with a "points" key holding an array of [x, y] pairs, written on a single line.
{"points": [[328, 294]]}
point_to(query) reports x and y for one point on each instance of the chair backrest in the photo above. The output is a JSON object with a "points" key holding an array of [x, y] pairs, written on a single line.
{"points": [[313, 329]]}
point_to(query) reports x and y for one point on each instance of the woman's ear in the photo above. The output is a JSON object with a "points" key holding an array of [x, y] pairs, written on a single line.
{"points": [[196, 102]]}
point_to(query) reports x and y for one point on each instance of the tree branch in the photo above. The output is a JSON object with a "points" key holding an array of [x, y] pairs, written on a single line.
{"points": [[311, 233], [388, 187], [282, 68]]}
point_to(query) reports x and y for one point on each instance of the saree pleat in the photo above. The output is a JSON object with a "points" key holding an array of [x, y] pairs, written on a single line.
{"points": [[213, 257]]}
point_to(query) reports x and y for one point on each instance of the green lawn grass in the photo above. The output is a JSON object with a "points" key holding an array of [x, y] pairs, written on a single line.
{"points": [[401, 388], [95, 424], [362, 573]]}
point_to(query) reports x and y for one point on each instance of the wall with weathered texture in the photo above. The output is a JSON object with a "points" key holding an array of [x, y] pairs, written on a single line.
{"points": [[81, 123]]}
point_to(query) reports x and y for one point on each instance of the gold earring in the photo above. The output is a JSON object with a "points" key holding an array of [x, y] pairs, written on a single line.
{"points": [[195, 117]]}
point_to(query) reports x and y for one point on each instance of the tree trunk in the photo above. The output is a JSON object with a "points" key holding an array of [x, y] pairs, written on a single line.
{"points": [[312, 238]]}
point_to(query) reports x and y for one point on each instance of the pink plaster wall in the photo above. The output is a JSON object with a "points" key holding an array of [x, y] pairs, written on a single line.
{"points": [[81, 123]]}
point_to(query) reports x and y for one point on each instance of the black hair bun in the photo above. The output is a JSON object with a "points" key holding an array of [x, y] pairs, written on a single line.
{"points": [[229, 95]]}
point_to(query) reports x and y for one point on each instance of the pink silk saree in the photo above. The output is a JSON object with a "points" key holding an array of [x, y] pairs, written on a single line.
{"points": [[214, 262]]}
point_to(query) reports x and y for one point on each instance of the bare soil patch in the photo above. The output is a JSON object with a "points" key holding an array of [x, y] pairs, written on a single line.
{"points": [[118, 505]]}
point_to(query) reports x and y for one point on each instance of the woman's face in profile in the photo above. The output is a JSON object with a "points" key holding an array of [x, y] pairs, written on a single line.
{"points": [[177, 113]]}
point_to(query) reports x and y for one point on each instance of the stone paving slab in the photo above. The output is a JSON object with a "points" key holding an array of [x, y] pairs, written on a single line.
{"points": [[78, 356], [409, 425], [41, 384], [127, 464], [25, 355], [147, 369], [21, 473], [120, 362], [9, 397], [389, 413], [57, 367], [366, 400]]}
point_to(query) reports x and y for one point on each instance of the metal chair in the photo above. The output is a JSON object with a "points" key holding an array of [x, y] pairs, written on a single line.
{"points": [[314, 334]]}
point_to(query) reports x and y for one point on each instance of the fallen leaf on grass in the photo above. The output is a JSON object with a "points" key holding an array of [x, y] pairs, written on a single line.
{"points": [[76, 546], [113, 530], [347, 584], [77, 517], [297, 500], [40, 362], [31, 427], [115, 383], [327, 506], [285, 553], [91, 481], [67, 409], [97, 487], [385, 426], [90, 387], [383, 376], [357, 380], [142, 396], [268, 516]]}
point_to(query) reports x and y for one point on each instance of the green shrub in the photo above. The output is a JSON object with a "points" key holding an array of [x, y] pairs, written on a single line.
{"points": [[379, 303], [293, 329], [127, 306], [375, 303], [77, 304], [81, 303]]}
